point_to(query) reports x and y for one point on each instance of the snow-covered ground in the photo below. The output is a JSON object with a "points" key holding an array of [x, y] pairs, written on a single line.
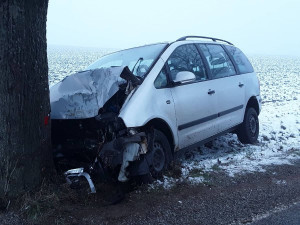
{"points": [[279, 143], [279, 139]]}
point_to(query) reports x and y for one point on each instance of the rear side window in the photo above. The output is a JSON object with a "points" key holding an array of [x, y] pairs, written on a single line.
{"points": [[186, 58], [218, 61], [241, 60]]}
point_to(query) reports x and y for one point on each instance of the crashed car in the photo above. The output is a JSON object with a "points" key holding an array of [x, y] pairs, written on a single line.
{"points": [[128, 113]]}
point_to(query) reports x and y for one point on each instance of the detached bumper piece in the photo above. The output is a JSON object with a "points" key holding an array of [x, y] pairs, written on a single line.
{"points": [[79, 172]]}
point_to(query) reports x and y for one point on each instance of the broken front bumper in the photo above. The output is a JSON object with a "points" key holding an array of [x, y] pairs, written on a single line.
{"points": [[126, 153]]}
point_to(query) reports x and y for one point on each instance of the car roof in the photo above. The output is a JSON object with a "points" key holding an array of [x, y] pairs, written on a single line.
{"points": [[183, 40]]}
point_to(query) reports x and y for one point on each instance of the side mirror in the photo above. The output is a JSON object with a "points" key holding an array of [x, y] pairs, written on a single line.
{"points": [[184, 77]]}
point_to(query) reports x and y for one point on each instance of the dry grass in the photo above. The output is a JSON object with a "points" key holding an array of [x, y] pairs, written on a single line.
{"points": [[34, 207]]}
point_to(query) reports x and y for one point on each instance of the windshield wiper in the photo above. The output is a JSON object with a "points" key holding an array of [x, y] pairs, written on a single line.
{"points": [[138, 61]]}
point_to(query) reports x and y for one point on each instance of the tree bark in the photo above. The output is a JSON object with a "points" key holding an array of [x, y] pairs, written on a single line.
{"points": [[25, 142]]}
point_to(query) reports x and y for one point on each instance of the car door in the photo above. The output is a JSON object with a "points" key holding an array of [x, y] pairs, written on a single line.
{"points": [[228, 86], [195, 105]]}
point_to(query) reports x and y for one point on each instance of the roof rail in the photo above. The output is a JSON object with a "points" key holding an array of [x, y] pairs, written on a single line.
{"points": [[214, 39]]}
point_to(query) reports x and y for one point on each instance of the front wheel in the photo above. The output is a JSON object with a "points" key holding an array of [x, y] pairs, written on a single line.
{"points": [[249, 129], [159, 155]]}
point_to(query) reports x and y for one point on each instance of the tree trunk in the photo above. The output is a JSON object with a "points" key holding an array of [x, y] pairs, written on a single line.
{"points": [[25, 144]]}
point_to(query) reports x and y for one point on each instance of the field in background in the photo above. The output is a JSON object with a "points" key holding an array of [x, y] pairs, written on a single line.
{"points": [[63, 61], [279, 140], [279, 75]]}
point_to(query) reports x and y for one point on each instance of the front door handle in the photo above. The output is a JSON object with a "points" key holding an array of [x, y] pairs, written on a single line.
{"points": [[241, 84], [210, 92], [168, 101]]}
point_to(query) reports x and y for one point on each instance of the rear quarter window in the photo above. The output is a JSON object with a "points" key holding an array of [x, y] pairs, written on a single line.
{"points": [[241, 60]]}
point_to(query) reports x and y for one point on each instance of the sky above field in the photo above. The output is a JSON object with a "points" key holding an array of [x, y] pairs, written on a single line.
{"points": [[269, 27]]}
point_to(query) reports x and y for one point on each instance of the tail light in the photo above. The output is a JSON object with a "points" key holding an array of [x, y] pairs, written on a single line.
{"points": [[46, 119]]}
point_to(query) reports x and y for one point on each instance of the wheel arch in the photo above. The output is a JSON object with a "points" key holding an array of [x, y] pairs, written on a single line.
{"points": [[252, 102], [164, 127]]}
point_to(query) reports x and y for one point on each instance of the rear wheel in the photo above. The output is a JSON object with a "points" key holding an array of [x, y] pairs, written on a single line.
{"points": [[160, 154], [249, 129]]}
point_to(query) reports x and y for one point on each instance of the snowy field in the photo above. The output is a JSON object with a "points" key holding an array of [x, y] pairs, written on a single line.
{"points": [[63, 61], [279, 139]]}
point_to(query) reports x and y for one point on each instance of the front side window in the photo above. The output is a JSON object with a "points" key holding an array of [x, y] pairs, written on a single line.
{"points": [[218, 61], [241, 60], [161, 80], [186, 58]]}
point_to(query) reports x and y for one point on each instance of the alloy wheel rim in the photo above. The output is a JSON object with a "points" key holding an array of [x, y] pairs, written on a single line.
{"points": [[158, 157], [253, 125]]}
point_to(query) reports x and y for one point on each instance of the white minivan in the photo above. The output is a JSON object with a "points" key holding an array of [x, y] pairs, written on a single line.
{"points": [[129, 112]]}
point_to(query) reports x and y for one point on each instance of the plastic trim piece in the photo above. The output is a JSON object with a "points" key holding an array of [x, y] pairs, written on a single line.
{"points": [[208, 118]]}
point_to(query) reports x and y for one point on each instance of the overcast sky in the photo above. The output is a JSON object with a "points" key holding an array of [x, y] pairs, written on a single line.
{"points": [[256, 26]]}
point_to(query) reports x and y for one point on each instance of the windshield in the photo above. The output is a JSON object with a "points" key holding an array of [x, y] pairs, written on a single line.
{"points": [[139, 60]]}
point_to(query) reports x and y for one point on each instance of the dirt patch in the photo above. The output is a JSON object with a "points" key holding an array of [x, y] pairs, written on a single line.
{"points": [[226, 200]]}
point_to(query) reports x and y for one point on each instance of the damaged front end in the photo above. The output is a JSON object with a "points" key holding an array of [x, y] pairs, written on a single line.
{"points": [[118, 159], [87, 133]]}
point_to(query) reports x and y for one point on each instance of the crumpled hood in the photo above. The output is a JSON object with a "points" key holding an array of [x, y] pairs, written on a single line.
{"points": [[82, 94]]}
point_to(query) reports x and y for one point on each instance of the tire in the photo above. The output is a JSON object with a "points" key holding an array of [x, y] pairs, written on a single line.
{"points": [[248, 131], [159, 155]]}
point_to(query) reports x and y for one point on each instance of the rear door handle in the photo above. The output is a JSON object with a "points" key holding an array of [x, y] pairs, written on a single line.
{"points": [[241, 84], [210, 92]]}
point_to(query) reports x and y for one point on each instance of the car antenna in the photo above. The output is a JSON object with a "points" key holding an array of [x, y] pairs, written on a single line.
{"points": [[139, 60]]}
